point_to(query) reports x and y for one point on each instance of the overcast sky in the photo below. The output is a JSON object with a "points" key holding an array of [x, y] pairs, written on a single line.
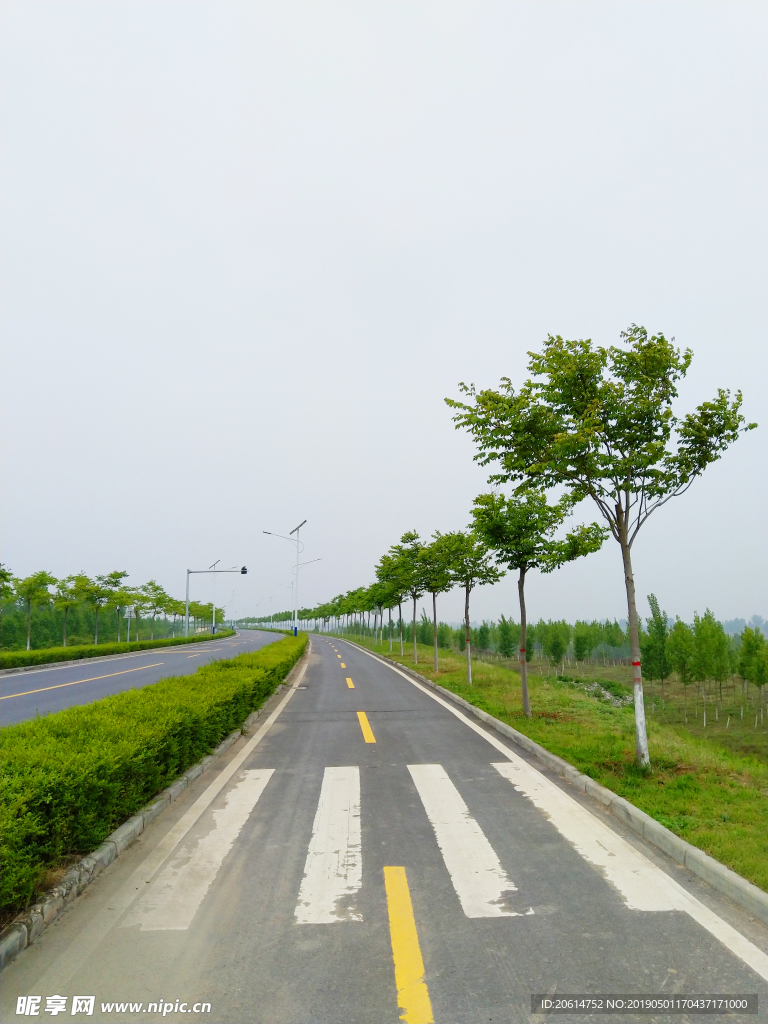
{"points": [[249, 248]]}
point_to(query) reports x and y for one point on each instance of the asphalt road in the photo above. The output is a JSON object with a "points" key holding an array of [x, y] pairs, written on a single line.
{"points": [[24, 695], [372, 854]]}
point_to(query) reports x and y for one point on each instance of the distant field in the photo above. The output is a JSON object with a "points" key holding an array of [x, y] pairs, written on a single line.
{"points": [[708, 785]]}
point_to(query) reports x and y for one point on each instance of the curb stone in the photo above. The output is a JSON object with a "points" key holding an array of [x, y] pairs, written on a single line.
{"points": [[720, 877], [21, 932]]}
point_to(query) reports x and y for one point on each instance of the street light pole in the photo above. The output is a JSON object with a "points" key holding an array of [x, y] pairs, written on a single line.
{"points": [[296, 595], [297, 542]]}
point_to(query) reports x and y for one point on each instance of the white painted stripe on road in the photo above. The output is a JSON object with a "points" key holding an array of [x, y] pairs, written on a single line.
{"points": [[63, 969], [175, 895], [723, 932], [481, 883], [642, 884], [333, 873]]}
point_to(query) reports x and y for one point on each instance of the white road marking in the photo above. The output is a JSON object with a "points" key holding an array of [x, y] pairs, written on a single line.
{"points": [[63, 969], [333, 873], [481, 883], [733, 940], [175, 895], [642, 884]]}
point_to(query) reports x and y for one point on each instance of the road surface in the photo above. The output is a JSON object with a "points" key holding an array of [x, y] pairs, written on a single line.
{"points": [[372, 854], [23, 695]]}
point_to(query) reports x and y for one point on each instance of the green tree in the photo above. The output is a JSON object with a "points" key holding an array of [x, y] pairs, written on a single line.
{"points": [[7, 592], [408, 554], [506, 638], [582, 641], [156, 600], [436, 561], [33, 591], [520, 529], [711, 659], [600, 422], [558, 638], [470, 566], [752, 657], [680, 650], [653, 645], [68, 596], [113, 583]]}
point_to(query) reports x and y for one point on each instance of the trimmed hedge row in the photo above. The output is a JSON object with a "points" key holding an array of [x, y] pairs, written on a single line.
{"points": [[44, 656], [71, 778]]}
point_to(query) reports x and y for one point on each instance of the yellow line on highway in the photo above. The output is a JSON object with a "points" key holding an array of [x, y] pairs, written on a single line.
{"points": [[366, 727], [92, 679], [338, 655], [343, 665], [350, 684], [412, 992]]}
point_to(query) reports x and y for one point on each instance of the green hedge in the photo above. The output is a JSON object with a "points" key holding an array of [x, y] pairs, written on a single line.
{"points": [[45, 655], [70, 778]]}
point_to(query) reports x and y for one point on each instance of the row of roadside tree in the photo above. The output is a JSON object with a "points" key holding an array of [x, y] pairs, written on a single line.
{"points": [[590, 424], [40, 611]]}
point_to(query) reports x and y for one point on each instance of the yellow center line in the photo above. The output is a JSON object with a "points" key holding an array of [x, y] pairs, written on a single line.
{"points": [[58, 686], [338, 655], [343, 665], [366, 727], [350, 684], [412, 992]]}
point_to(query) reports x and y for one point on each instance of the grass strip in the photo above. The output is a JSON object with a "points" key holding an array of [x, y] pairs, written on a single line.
{"points": [[70, 778], [710, 792], [46, 655]]}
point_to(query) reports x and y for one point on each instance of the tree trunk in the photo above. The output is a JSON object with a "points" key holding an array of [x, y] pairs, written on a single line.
{"points": [[469, 642], [64, 631], [118, 624], [641, 733], [389, 613], [434, 625], [523, 635], [400, 624], [96, 627], [415, 652], [29, 622]]}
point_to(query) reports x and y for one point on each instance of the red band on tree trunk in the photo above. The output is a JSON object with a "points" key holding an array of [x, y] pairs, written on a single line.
{"points": [[636, 663], [522, 650]]}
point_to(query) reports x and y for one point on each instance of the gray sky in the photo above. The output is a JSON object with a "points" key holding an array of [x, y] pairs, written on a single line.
{"points": [[248, 249]]}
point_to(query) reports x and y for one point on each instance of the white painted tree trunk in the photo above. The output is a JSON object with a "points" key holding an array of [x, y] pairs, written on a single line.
{"points": [[415, 652], [434, 625], [523, 635], [468, 635], [641, 732]]}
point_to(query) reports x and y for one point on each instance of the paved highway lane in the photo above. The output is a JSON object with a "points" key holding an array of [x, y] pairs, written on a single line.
{"points": [[371, 854], [23, 695]]}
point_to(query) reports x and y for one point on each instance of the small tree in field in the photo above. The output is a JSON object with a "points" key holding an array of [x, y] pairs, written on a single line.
{"points": [[599, 421], [681, 652], [653, 646], [521, 530]]}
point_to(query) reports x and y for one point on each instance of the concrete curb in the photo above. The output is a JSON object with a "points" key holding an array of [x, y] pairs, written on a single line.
{"points": [[106, 657], [24, 930], [720, 877]]}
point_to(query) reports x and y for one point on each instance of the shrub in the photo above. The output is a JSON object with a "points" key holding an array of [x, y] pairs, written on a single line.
{"points": [[70, 778]]}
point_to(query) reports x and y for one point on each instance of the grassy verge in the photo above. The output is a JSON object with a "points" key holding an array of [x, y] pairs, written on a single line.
{"points": [[46, 655], [706, 785], [70, 778]]}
